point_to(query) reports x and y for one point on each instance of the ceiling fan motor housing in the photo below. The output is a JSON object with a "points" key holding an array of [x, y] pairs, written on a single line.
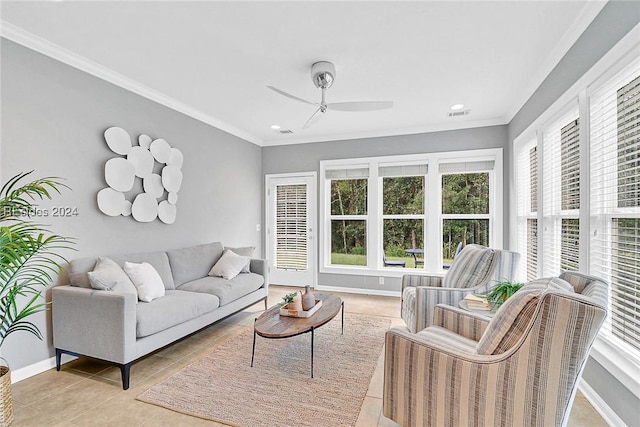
{"points": [[323, 73]]}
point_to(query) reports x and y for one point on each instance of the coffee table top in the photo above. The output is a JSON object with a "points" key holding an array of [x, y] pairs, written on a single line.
{"points": [[271, 325]]}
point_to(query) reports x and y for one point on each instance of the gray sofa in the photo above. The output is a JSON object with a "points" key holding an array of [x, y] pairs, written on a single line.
{"points": [[114, 327]]}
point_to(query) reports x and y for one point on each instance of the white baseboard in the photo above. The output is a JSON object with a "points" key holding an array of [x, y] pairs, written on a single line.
{"points": [[609, 416], [358, 291], [36, 368]]}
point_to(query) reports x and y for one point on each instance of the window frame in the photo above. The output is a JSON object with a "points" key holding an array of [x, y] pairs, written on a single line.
{"points": [[432, 213]]}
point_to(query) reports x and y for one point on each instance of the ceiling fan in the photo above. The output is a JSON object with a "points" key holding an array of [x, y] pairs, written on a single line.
{"points": [[323, 74]]}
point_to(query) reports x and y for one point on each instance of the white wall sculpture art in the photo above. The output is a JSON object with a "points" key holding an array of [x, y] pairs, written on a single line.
{"points": [[139, 162]]}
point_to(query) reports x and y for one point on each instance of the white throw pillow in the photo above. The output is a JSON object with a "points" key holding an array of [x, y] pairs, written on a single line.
{"points": [[108, 276], [146, 280], [229, 265]]}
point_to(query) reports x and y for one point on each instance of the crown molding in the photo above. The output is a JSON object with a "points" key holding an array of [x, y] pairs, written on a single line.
{"points": [[387, 132], [573, 33], [52, 50]]}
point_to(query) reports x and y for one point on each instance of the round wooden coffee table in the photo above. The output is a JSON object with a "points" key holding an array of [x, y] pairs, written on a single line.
{"points": [[271, 325]]}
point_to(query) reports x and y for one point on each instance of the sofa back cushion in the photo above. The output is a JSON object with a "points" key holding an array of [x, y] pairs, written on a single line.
{"points": [[78, 269], [472, 267], [158, 260], [188, 264]]}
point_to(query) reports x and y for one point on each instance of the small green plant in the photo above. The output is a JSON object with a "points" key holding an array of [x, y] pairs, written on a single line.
{"points": [[502, 292], [288, 298]]}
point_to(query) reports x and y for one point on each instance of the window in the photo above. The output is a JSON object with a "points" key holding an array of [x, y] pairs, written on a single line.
{"points": [[561, 194], [527, 209], [615, 198], [465, 207], [387, 212], [348, 207], [403, 216]]}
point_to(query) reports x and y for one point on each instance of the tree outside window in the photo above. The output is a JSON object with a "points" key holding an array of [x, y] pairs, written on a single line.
{"points": [[348, 222], [465, 209], [403, 217]]}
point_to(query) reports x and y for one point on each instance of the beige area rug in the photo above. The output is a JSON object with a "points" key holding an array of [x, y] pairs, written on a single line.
{"points": [[278, 390]]}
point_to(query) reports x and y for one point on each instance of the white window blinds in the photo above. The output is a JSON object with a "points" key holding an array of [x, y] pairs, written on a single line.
{"points": [[291, 227], [527, 203], [402, 170], [561, 194], [472, 166], [348, 173], [615, 198]]}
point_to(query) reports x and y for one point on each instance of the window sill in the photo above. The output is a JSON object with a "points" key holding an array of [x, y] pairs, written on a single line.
{"points": [[624, 366], [386, 272]]}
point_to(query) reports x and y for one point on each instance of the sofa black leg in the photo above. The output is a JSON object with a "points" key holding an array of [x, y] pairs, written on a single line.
{"points": [[58, 358], [265, 304], [125, 370]]}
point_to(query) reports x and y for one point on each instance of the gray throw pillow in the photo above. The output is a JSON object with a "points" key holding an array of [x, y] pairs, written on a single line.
{"points": [[109, 276], [244, 251]]}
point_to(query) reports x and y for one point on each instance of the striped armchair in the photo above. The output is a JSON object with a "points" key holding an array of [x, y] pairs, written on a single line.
{"points": [[475, 270], [520, 368]]}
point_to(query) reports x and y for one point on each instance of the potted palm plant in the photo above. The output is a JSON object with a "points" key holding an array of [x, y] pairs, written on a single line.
{"points": [[29, 260]]}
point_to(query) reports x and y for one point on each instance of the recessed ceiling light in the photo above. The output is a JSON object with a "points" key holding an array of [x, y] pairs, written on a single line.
{"points": [[457, 106], [275, 127]]}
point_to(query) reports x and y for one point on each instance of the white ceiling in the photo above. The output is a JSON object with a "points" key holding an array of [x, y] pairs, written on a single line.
{"points": [[214, 59]]}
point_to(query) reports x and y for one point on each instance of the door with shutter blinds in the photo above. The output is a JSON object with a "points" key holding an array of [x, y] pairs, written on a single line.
{"points": [[291, 229]]}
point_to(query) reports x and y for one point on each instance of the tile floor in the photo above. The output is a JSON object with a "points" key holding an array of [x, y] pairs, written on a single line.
{"points": [[89, 393]]}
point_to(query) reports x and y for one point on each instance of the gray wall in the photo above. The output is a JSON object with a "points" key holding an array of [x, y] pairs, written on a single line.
{"points": [[615, 20], [53, 119], [307, 157]]}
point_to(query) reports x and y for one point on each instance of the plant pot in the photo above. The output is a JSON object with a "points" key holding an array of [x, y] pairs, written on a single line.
{"points": [[6, 405]]}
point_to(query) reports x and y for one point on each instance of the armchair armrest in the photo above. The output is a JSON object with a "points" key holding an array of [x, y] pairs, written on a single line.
{"points": [[415, 280], [94, 323], [459, 321], [426, 299]]}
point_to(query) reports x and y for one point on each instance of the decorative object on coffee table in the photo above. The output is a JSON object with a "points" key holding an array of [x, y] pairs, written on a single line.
{"points": [[287, 311], [288, 298], [271, 325], [308, 300]]}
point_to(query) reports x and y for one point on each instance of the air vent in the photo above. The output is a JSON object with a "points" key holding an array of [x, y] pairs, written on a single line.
{"points": [[458, 113], [285, 131]]}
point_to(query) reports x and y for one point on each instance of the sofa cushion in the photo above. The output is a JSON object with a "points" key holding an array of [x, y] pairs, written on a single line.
{"points": [[244, 251], [158, 260], [173, 308], [78, 269], [470, 268], [193, 263], [229, 265], [108, 276], [146, 280], [226, 290]]}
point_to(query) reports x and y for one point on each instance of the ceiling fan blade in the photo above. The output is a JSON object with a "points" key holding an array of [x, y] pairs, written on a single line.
{"points": [[288, 95], [314, 118], [360, 106]]}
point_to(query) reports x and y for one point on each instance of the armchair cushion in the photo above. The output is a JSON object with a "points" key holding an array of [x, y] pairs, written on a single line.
{"points": [[514, 316], [471, 267]]}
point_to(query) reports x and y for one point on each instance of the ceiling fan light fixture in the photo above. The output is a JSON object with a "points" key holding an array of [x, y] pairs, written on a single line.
{"points": [[323, 73], [455, 107]]}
